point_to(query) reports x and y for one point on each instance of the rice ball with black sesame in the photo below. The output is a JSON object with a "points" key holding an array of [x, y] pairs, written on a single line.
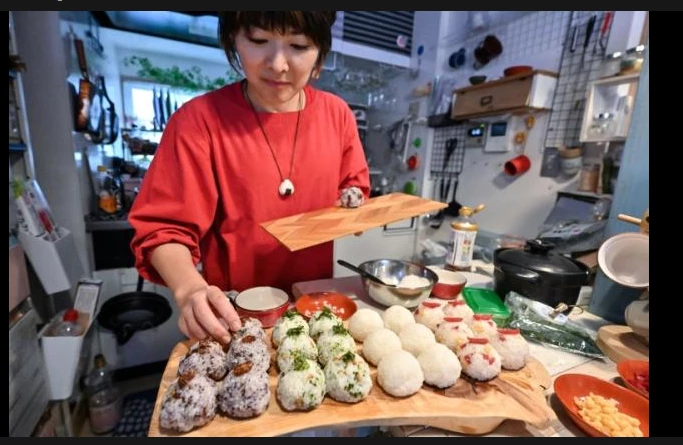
{"points": [[302, 388], [245, 392], [189, 402], [251, 326], [206, 357], [440, 365], [322, 321], [295, 343], [290, 319], [249, 348], [347, 378], [334, 343]]}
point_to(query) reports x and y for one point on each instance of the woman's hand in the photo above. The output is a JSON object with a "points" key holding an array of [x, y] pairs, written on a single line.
{"points": [[207, 312]]}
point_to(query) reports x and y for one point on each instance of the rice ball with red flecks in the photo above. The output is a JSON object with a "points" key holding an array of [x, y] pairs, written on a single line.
{"points": [[512, 347]]}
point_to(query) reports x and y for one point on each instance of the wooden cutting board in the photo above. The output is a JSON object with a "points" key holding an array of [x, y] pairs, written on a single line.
{"points": [[297, 232], [469, 408], [619, 343]]}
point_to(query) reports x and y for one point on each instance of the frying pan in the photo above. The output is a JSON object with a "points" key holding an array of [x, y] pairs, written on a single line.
{"points": [[130, 312]]}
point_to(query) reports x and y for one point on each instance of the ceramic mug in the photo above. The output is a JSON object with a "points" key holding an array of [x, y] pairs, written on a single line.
{"points": [[517, 165]]}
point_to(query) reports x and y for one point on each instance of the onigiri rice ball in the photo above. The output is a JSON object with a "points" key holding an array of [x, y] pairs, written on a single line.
{"points": [[295, 343], [334, 343], [479, 360], [380, 343], [453, 332], [397, 317], [245, 392], [399, 374], [440, 366], [251, 326], [483, 326], [321, 321], [302, 388], [458, 308], [364, 322], [430, 314], [416, 337], [512, 347], [189, 402], [347, 378], [290, 319]]}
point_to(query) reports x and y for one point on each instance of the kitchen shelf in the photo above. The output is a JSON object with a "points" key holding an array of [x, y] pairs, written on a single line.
{"points": [[609, 108]]}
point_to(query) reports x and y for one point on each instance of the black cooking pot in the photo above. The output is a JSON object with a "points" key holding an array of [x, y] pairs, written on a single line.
{"points": [[130, 312], [537, 273]]}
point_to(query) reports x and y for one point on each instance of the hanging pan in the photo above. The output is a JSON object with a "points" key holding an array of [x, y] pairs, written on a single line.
{"points": [[130, 312]]}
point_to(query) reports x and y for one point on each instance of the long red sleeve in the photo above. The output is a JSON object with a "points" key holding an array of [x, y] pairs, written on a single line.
{"points": [[213, 180]]}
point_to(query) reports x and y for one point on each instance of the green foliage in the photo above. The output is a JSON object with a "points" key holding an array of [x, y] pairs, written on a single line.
{"points": [[190, 79]]}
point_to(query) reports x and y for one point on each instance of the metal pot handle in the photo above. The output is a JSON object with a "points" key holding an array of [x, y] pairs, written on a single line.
{"points": [[520, 272]]}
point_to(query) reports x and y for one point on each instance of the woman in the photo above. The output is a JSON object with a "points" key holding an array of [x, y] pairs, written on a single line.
{"points": [[264, 148]]}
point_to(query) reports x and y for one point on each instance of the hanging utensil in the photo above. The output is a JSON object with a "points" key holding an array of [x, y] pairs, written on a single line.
{"points": [[603, 35], [589, 33], [454, 206], [451, 144]]}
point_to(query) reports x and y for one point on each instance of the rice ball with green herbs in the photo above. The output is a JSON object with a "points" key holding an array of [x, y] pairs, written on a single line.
{"points": [[334, 343], [347, 378], [364, 322], [290, 319], [322, 321], [295, 343], [303, 387]]}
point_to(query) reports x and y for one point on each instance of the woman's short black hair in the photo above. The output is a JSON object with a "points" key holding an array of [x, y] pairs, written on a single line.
{"points": [[316, 25]]}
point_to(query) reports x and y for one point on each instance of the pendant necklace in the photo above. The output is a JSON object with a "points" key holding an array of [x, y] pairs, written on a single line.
{"points": [[286, 187]]}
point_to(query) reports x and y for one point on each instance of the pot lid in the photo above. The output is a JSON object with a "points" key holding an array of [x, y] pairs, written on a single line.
{"points": [[536, 256]]}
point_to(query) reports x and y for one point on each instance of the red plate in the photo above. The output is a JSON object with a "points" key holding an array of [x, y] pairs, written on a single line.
{"points": [[341, 305], [631, 370], [568, 386]]}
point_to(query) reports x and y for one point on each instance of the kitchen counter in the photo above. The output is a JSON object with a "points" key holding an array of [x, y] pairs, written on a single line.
{"points": [[556, 361]]}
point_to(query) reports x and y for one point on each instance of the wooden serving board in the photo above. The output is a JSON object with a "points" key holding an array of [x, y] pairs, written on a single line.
{"points": [[304, 230], [466, 407], [620, 343]]}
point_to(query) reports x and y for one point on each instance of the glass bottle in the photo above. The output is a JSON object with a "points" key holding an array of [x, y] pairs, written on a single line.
{"points": [[461, 244], [104, 399]]}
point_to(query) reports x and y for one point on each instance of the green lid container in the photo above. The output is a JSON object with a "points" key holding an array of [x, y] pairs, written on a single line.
{"points": [[486, 301]]}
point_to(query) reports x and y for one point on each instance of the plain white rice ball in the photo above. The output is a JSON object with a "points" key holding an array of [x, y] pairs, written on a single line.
{"points": [[416, 337], [397, 317], [399, 374], [440, 366], [303, 387], [364, 322], [348, 378], [380, 343]]}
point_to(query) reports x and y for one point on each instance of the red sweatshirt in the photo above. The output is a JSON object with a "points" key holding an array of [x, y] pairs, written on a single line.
{"points": [[213, 180]]}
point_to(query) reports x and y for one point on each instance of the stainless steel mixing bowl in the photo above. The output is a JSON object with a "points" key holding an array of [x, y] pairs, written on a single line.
{"points": [[393, 271]]}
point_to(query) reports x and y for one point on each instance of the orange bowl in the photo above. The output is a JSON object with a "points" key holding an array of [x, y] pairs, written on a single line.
{"points": [[568, 386], [340, 305], [518, 69], [449, 284], [631, 371]]}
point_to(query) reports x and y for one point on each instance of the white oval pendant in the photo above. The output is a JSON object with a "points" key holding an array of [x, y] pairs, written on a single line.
{"points": [[286, 188]]}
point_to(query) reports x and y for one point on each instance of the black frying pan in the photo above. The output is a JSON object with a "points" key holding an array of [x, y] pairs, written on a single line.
{"points": [[127, 313]]}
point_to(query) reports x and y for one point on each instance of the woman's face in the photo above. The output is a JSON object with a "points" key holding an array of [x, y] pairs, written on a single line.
{"points": [[277, 66]]}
